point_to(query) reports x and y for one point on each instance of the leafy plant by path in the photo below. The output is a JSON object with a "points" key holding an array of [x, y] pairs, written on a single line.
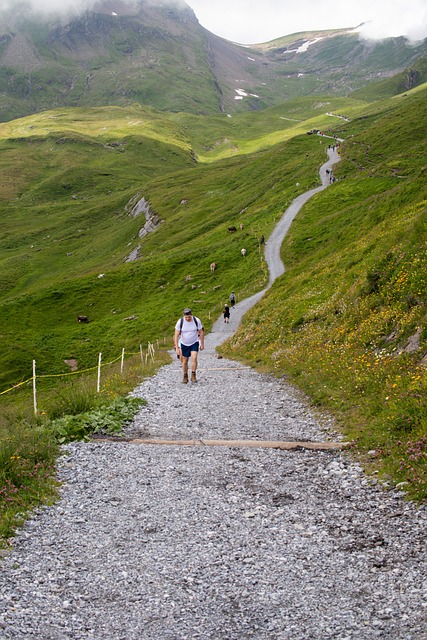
{"points": [[107, 419]]}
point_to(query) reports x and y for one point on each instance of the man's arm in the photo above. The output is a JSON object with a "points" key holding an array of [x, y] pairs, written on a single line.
{"points": [[176, 341], [202, 338]]}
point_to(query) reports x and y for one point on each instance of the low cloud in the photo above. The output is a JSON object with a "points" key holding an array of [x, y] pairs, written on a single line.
{"points": [[389, 27], [249, 22], [73, 6], [49, 6]]}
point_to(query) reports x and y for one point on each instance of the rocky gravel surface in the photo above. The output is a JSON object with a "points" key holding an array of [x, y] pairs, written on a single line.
{"points": [[153, 542], [199, 542]]}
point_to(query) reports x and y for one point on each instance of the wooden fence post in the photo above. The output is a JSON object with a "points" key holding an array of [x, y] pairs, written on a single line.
{"points": [[98, 382], [122, 362], [34, 388]]}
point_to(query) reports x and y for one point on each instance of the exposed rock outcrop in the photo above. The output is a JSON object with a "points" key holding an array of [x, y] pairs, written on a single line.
{"points": [[136, 207]]}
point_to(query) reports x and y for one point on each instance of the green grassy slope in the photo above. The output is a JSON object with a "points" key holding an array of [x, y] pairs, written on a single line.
{"points": [[219, 137], [411, 77], [65, 186], [347, 322], [337, 323], [42, 324]]}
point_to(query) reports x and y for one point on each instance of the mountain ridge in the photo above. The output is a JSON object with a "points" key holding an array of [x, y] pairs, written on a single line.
{"points": [[162, 57]]}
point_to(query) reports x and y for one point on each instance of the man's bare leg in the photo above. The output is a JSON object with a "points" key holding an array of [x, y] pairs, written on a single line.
{"points": [[184, 369], [193, 366]]}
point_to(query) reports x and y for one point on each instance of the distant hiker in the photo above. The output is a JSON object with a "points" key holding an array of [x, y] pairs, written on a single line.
{"points": [[226, 313], [232, 299], [262, 240], [189, 337]]}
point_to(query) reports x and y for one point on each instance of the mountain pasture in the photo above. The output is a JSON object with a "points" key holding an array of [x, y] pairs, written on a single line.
{"points": [[346, 322]]}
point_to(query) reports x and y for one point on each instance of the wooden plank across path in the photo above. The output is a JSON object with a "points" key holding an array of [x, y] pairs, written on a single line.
{"points": [[262, 444]]}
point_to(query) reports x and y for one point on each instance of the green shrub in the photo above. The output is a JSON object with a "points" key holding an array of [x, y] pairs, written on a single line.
{"points": [[106, 419]]}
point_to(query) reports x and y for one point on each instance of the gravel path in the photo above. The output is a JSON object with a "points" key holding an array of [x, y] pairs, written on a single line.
{"points": [[154, 542]]}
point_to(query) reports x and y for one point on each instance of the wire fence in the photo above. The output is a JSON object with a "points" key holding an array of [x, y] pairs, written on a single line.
{"points": [[149, 353], [145, 356]]}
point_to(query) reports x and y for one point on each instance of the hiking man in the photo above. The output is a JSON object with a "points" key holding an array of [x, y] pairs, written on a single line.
{"points": [[232, 299], [188, 338]]}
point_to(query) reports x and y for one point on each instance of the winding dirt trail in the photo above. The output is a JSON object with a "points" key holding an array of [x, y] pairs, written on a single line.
{"points": [[220, 331]]}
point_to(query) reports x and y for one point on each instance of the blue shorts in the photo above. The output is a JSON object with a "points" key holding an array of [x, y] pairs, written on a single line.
{"points": [[186, 351]]}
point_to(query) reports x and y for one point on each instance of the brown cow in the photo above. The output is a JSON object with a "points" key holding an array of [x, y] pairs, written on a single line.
{"points": [[82, 319], [231, 229]]}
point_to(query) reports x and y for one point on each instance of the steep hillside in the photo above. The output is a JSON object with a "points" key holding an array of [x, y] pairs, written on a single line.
{"points": [[153, 55], [122, 52], [72, 180], [347, 322], [413, 76], [342, 58], [70, 176]]}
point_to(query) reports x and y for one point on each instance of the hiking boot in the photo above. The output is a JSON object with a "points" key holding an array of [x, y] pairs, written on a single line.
{"points": [[193, 376], [185, 378]]}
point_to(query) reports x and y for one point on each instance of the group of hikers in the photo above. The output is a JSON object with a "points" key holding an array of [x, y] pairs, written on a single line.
{"points": [[189, 338]]}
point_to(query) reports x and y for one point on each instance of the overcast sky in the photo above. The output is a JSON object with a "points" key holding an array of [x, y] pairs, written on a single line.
{"points": [[250, 21]]}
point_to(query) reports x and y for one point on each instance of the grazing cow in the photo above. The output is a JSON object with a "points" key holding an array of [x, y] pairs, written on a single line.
{"points": [[213, 266], [243, 252], [241, 226], [231, 229], [82, 319]]}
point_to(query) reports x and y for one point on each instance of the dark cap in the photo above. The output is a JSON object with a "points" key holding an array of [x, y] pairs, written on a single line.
{"points": [[187, 311]]}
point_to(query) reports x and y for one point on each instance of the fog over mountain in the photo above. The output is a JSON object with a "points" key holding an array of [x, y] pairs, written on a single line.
{"points": [[73, 6], [251, 22], [240, 21]]}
